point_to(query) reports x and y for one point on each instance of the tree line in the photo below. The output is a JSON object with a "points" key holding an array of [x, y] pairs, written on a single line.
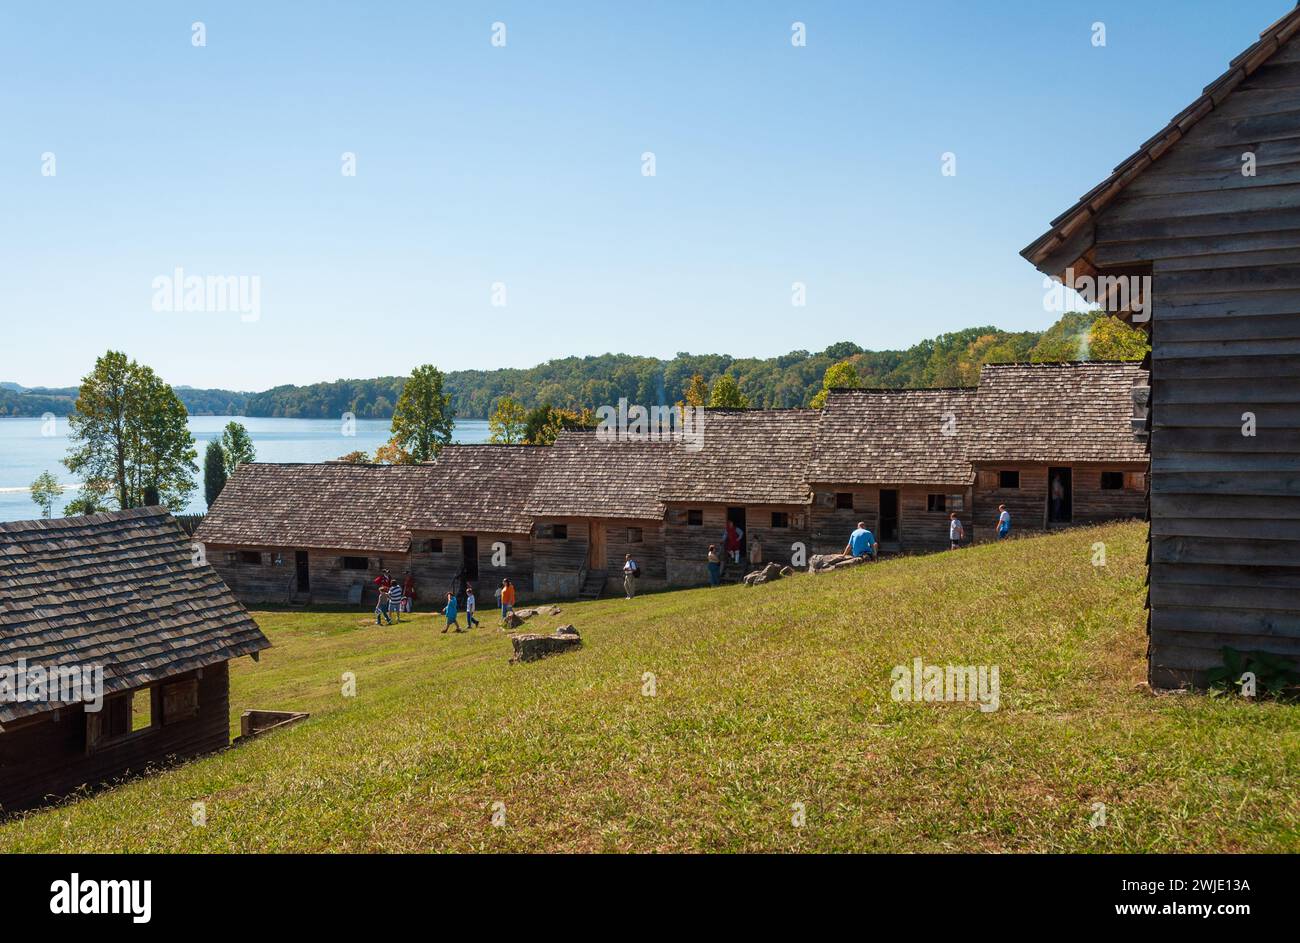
{"points": [[578, 383]]}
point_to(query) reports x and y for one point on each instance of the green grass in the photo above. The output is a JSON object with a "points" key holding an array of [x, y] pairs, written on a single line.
{"points": [[766, 696]]}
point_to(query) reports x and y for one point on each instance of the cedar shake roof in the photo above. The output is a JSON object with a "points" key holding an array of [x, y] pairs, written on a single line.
{"points": [[480, 488], [120, 591], [591, 477], [317, 506], [748, 456], [896, 436], [1057, 412], [1069, 242]]}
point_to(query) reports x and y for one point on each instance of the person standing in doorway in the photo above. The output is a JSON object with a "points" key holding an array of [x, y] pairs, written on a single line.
{"points": [[956, 533], [1058, 498], [1004, 522], [631, 571], [732, 540]]}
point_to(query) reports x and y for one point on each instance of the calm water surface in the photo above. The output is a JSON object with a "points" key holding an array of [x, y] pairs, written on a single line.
{"points": [[26, 450]]}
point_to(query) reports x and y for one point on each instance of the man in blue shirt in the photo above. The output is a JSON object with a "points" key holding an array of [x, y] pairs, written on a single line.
{"points": [[861, 542]]}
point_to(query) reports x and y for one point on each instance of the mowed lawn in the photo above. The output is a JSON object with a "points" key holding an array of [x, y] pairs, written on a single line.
{"points": [[764, 697]]}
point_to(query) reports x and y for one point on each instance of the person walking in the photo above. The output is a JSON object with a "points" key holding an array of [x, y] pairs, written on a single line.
{"points": [[862, 543], [450, 612], [507, 598], [1004, 522], [382, 606], [470, 608], [395, 598], [408, 592], [956, 533], [631, 573], [715, 565]]}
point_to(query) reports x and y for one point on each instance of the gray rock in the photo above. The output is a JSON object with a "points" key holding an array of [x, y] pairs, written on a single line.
{"points": [[533, 646]]}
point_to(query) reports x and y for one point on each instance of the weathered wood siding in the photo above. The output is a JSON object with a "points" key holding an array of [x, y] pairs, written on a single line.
{"points": [[435, 573], [559, 563], [1091, 504], [920, 530], [1224, 251], [649, 553], [686, 546], [47, 758], [267, 582]]}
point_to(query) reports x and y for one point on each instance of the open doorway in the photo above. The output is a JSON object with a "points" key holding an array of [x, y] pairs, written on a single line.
{"points": [[302, 570], [469, 553], [1060, 496], [888, 515]]}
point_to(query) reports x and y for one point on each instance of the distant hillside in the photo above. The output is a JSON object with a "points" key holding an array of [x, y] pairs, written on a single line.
{"points": [[575, 382]]}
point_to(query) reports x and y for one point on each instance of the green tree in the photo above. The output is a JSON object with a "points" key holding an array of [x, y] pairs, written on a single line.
{"points": [[697, 391], [45, 491], [130, 437], [214, 472], [89, 500], [508, 422], [354, 458], [236, 447], [1112, 339], [423, 418], [842, 375], [726, 394]]}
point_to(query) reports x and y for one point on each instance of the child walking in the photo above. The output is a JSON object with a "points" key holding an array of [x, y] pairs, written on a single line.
{"points": [[470, 608], [451, 614]]}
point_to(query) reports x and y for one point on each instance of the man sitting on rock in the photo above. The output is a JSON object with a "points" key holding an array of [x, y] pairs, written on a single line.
{"points": [[862, 543]]}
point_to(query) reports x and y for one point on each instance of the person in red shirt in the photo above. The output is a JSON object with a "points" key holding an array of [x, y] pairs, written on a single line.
{"points": [[408, 592]]}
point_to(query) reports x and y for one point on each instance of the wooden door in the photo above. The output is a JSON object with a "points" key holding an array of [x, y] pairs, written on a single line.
{"points": [[596, 547]]}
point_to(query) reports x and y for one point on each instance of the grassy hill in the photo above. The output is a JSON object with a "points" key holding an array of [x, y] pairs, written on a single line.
{"points": [[765, 697]]}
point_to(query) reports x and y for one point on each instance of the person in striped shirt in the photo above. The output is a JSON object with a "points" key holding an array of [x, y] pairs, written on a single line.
{"points": [[395, 598]]}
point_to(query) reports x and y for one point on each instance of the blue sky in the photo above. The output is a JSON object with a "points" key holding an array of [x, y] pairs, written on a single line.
{"points": [[522, 165]]}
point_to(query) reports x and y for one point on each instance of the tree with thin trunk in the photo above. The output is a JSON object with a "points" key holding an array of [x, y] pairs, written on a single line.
{"points": [[130, 437], [726, 394], [508, 422], [45, 491], [236, 446], [423, 418], [697, 391]]}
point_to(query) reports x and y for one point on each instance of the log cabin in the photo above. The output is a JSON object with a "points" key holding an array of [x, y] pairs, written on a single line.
{"points": [[750, 469], [1208, 209], [312, 533], [895, 460], [596, 501], [122, 596], [469, 527], [1054, 443]]}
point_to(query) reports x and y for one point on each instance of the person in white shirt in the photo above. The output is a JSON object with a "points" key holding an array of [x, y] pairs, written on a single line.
{"points": [[470, 607], [956, 533], [630, 572], [1004, 522]]}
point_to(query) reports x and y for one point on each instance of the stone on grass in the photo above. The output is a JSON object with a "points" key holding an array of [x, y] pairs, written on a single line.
{"points": [[766, 575], [822, 562], [533, 646]]}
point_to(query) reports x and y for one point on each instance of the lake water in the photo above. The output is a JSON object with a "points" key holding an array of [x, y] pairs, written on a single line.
{"points": [[27, 448]]}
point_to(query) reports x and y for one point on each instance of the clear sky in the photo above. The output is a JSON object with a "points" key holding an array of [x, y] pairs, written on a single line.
{"points": [[522, 165]]}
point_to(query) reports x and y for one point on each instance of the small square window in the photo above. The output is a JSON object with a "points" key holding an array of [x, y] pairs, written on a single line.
{"points": [[250, 557], [1008, 479], [1112, 480], [433, 545], [356, 563], [844, 500], [780, 519], [695, 518], [560, 531], [936, 502], [634, 535]]}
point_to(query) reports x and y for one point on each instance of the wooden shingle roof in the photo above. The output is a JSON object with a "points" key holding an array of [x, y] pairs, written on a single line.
{"points": [[1057, 412], [317, 506], [750, 456], [480, 488], [120, 591], [1068, 243], [589, 476], [899, 436]]}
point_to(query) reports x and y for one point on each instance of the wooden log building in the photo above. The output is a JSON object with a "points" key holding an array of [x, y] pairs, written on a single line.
{"points": [[1054, 443], [751, 469], [1209, 209], [469, 526], [121, 593], [312, 533], [895, 460], [595, 502]]}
